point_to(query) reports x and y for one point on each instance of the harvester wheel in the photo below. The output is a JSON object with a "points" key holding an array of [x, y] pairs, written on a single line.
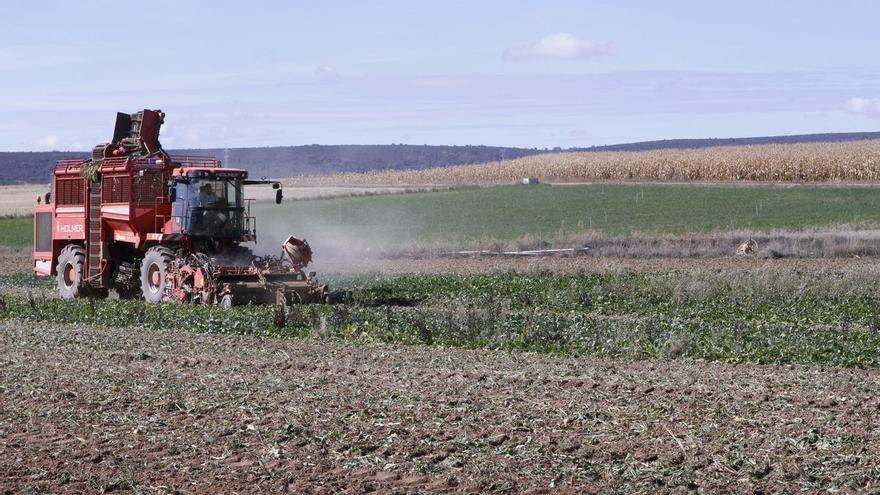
{"points": [[70, 271], [153, 269]]}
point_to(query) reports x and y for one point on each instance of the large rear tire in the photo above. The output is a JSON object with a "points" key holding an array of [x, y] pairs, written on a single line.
{"points": [[154, 267], [69, 276]]}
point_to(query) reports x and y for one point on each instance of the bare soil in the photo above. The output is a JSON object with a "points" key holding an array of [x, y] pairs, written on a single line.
{"points": [[14, 261], [20, 199], [294, 189], [88, 409]]}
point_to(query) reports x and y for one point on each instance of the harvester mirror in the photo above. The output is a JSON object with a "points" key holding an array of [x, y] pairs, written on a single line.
{"points": [[278, 196], [276, 185]]}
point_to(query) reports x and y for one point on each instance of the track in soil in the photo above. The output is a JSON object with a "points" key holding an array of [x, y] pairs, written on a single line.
{"points": [[18, 261], [92, 409]]}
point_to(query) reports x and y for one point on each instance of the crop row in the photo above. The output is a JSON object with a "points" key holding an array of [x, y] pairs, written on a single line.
{"points": [[534, 329], [806, 319], [765, 295]]}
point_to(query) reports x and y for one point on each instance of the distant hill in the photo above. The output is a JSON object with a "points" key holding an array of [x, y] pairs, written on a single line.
{"points": [[291, 161], [288, 161], [710, 142]]}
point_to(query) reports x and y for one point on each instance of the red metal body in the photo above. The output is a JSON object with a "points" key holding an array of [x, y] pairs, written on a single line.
{"points": [[134, 206], [166, 228]]}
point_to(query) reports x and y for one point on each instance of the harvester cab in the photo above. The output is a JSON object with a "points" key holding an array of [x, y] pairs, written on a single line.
{"points": [[210, 203], [165, 228]]}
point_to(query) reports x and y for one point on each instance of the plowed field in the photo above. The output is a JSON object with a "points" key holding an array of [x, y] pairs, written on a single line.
{"points": [[92, 409], [89, 409]]}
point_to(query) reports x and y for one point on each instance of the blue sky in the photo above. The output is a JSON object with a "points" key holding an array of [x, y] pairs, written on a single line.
{"points": [[531, 74]]}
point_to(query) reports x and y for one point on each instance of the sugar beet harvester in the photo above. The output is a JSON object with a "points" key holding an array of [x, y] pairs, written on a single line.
{"points": [[165, 228]]}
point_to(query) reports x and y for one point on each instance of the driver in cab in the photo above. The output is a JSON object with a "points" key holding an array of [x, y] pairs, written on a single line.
{"points": [[214, 221], [207, 196]]}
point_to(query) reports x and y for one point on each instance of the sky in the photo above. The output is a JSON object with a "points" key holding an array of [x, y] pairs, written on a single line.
{"points": [[526, 74]]}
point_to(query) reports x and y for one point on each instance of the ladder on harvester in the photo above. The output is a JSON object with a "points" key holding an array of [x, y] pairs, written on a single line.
{"points": [[95, 246]]}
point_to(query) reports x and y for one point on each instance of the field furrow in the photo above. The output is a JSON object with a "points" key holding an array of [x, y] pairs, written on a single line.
{"points": [[155, 412]]}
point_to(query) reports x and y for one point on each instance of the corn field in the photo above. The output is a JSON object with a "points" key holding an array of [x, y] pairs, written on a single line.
{"points": [[854, 161]]}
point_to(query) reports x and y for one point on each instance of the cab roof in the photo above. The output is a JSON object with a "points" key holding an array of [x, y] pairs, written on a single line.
{"points": [[188, 171]]}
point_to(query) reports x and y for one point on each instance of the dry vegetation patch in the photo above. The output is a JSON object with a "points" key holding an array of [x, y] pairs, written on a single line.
{"points": [[804, 162], [20, 199], [828, 242], [587, 264], [16, 200]]}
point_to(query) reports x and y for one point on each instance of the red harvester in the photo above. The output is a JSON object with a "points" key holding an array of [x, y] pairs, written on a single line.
{"points": [[166, 228]]}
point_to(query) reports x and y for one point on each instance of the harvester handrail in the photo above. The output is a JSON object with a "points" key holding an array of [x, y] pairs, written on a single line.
{"points": [[160, 218], [69, 166], [196, 161], [248, 218], [114, 164]]}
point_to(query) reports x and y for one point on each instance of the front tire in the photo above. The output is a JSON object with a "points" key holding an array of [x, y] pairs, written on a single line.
{"points": [[154, 268], [69, 276]]}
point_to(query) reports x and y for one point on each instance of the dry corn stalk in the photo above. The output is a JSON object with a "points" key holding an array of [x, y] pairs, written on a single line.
{"points": [[854, 161]]}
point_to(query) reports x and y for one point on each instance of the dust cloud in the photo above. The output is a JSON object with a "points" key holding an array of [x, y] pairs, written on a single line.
{"points": [[337, 246]]}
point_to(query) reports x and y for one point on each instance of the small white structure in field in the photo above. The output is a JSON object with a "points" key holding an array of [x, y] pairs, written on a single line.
{"points": [[747, 248], [530, 181]]}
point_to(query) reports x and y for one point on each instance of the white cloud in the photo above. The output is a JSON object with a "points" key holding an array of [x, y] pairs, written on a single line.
{"points": [[47, 143], [327, 73], [559, 46], [869, 107], [52, 142]]}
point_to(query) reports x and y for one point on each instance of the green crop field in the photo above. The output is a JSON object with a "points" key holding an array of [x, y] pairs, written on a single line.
{"points": [[16, 231], [758, 317], [510, 212]]}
